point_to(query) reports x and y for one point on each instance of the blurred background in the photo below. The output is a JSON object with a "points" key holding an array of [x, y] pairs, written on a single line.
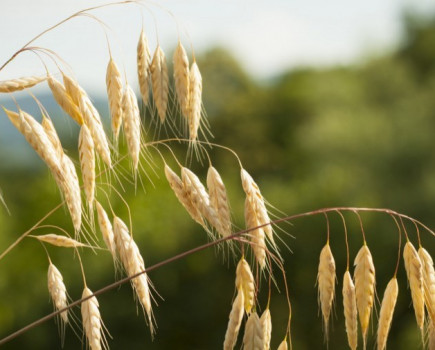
{"points": [[325, 105]]}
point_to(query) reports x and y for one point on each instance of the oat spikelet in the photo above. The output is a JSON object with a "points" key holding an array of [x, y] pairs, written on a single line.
{"points": [[195, 101], [133, 263], [143, 67], [20, 83], [35, 135], [266, 325], [64, 100], [131, 116], [87, 163], [92, 120], [257, 202], [160, 82], [414, 271], [59, 241], [326, 283], [219, 201], [245, 282], [182, 78], [91, 318], [257, 235], [199, 197], [364, 276], [182, 195], [106, 229], [69, 185], [50, 130], [428, 281], [283, 345], [386, 314], [350, 311], [57, 291], [73, 89], [236, 317], [253, 337], [114, 94]]}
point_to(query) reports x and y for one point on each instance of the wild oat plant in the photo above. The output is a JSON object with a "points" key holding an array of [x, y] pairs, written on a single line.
{"points": [[256, 249]]}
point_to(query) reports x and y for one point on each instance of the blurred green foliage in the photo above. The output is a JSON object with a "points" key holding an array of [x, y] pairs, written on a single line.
{"points": [[358, 135]]}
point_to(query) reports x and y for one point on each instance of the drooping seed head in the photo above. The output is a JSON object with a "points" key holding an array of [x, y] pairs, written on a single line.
{"points": [[245, 282], [428, 281], [235, 320], [131, 116], [364, 276], [326, 283], [106, 229], [92, 120], [252, 192], [258, 242], [133, 263], [350, 311], [57, 291], [91, 318], [87, 163], [59, 241], [414, 271], [114, 94], [386, 314], [19, 84], [253, 337], [195, 101], [143, 67], [219, 201], [266, 325], [182, 78], [50, 130], [160, 82], [182, 195], [65, 100]]}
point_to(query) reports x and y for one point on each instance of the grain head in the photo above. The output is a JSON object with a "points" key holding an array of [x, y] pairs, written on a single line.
{"points": [[114, 95], [253, 337], [182, 78], [143, 67], [235, 320], [350, 311], [57, 291], [87, 163], [131, 116], [160, 82], [246, 283], [386, 314]]}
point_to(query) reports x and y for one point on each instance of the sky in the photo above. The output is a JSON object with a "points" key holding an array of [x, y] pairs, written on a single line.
{"points": [[267, 36]]}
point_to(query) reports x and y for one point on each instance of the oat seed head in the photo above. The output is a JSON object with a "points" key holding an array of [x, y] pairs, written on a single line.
{"points": [[143, 67], [253, 337], [326, 284], [386, 314], [414, 271], [219, 201], [235, 320], [92, 120], [177, 186], [257, 235], [91, 318], [57, 291], [64, 100], [195, 101], [182, 78], [114, 95], [20, 83], [50, 130], [350, 311], [87, 163], [428, 281], [283, 345], [106, 229], [245, 282], [160, 82], [364, 276], [59, 241], [266, 325], [131, 117]]}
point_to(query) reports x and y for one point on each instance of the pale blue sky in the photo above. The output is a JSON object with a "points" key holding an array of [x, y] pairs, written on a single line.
{"points": [[268, 36]]}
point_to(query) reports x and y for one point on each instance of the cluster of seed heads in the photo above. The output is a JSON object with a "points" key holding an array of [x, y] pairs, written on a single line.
{"points": [[207, 205], [359, 293]]}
